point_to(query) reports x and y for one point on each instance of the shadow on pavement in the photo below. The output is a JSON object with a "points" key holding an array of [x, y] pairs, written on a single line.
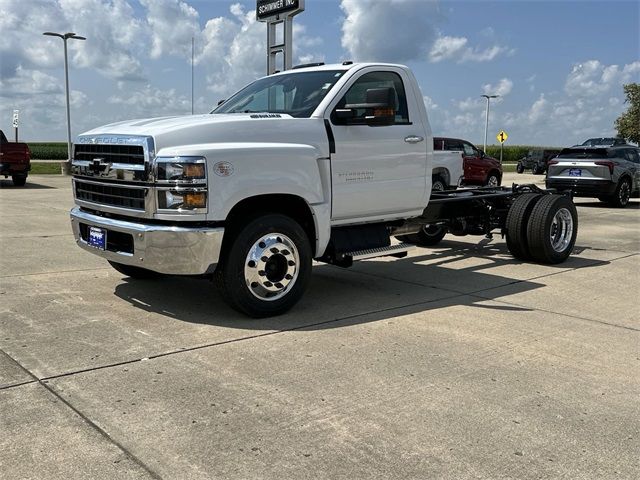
{"points": [[8, 183], [630, 206], [338, 298]]}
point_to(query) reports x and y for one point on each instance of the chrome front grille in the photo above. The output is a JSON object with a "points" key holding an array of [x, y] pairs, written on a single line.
{"points": [[129, 197], [124, 154]]}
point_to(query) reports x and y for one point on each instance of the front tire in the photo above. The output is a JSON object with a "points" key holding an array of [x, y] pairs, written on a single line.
{"points": [[520, 168], [493, 180], [265, 267], [552, 229], [138, 273]]}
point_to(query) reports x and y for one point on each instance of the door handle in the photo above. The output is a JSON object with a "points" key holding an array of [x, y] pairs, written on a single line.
{"points": [[413, 139]]}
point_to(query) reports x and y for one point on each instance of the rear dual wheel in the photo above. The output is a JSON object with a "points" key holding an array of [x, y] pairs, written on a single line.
{"points": [[542, 228]]}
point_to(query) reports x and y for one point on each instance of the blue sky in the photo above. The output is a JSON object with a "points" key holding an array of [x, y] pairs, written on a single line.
{"points": [[559, 66]]}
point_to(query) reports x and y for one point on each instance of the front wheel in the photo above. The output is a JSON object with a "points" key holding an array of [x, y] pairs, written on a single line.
{"points": [[520, 168], [266, 268], [552, 229], [493, 180]]}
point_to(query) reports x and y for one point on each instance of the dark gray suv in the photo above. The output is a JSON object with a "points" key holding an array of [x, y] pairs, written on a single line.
{"points": [[611, 174]]}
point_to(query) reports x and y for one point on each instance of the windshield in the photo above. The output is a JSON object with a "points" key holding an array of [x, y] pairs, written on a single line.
{"points": [[296, 94], [599, 141], [583, 153]]}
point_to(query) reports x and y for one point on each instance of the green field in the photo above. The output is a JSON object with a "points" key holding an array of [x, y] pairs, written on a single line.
{"points": [[48, 151]]}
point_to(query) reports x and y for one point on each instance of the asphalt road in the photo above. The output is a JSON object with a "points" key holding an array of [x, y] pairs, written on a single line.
{"points": [[456, 362]]}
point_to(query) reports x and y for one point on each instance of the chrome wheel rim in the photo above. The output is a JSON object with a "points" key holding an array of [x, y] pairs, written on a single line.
{"points": [[624, 193], [271, 267], [561, 230], [492, 181]]}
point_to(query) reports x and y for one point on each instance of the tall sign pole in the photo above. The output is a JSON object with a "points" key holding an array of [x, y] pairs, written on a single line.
{"points": [[277, 13], [16, 114]]}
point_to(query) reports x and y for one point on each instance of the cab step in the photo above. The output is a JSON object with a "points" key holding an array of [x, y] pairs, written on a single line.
{"points": [[398, 251]]}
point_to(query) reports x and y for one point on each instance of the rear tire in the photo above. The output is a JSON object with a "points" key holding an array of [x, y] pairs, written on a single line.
{"points": [[552, 229], [428, 236], [19, 180], [266, 266], [516, 225], [138, 273], [620, 198], [438, 185], [520, 168]]}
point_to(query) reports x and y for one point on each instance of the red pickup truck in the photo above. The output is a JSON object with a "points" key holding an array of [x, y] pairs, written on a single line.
{"points": [[15, 160]]}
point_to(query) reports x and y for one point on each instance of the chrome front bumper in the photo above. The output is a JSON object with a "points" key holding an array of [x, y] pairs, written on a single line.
{"points": [[166, 249]]}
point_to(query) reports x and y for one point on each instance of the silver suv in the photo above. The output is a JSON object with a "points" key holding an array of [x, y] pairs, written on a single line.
{"points": [[611, 174]]}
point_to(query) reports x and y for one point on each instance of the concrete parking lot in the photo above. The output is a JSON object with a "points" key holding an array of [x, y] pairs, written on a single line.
{"points": [[456, 362]]}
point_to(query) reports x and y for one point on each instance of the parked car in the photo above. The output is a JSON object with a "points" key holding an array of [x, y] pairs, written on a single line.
{"points": [[15, 160], [611, 174], [447, 171], [603, 142], [479, 168], [536, 160]]}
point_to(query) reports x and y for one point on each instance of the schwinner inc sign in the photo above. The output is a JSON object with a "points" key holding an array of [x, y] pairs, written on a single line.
{"points": [[266, 9]]}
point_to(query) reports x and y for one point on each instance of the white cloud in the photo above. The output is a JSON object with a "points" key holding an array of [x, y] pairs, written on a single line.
{"points": [[172, 24], [447, 48], [593, 78], [502, 88], [152, 101], [455, 48], [429, 103], [391, 31]]}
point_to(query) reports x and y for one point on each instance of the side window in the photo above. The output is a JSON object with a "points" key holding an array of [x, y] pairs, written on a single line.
{"points": [[438, 144], [358, 93], [453, 145], [632, 155], [469, 151]]}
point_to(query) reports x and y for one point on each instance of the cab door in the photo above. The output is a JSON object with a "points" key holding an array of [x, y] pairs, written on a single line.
{"points": [[378, 171]]}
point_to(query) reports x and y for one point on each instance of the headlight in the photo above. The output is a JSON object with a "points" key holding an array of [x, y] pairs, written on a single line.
{"points": [[181, 184], [181, 169]]}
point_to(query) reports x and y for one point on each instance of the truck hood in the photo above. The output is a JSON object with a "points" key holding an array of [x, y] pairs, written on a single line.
{"points": [[178, 131]]}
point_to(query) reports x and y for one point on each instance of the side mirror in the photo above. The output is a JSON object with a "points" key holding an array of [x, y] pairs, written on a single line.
{"points": [[482, 154], [379, 108]]}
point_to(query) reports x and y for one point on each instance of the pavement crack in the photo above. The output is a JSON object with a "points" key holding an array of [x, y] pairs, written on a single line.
{"points": [[85, 418]]}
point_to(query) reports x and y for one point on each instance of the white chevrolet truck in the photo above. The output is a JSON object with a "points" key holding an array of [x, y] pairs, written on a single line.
{"points": [[327, 162]]}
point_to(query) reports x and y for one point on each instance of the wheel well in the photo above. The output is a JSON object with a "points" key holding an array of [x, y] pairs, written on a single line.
{"points": [[441, 173], [290, 205]]}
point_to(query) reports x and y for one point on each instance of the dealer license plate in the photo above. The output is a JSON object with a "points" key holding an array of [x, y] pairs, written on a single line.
{"points": [[575, 172], [97, 238]]}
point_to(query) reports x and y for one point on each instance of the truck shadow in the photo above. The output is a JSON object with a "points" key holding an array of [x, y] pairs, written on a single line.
{"points": [[8, 183], [371, 291]]}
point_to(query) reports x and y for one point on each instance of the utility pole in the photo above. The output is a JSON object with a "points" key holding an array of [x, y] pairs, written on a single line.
{"points": [[65, 37], [486, 124], [192, 55]]}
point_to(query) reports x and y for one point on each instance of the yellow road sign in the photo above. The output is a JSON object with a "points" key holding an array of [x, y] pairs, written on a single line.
{"points": [[502, 136]]}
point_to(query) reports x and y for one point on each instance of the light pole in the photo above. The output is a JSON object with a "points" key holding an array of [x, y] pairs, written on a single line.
{"points": [[65, 37], [486, 124]]}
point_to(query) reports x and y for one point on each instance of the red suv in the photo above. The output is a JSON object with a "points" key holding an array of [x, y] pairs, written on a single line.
{"points": [[479, 168]]}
